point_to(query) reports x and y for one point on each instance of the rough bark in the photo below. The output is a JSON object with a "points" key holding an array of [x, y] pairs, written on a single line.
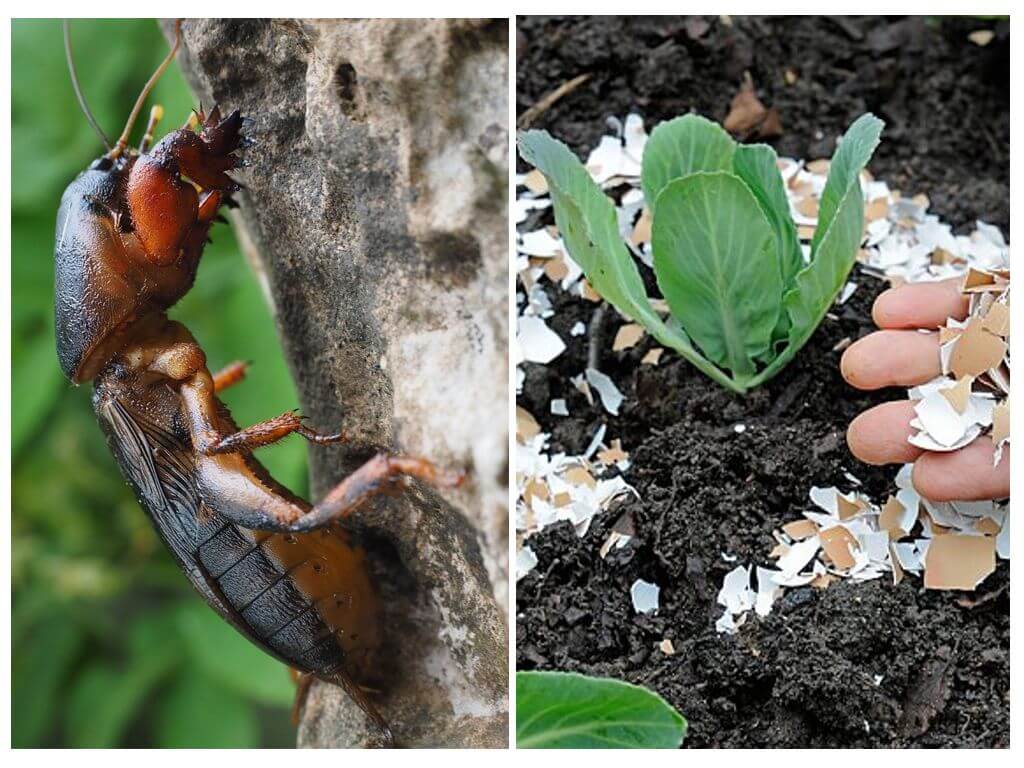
{"points": [[375, 214]]}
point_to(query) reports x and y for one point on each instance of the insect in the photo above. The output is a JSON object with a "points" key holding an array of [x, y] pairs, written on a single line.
{"points": [[130, 233]]}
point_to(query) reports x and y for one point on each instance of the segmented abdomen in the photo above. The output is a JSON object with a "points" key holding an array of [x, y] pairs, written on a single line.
{"points": [[305, 598], [261, 586]]}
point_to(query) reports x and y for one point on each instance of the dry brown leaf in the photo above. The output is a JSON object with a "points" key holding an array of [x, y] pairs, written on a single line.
{"points": [[746, 112]]}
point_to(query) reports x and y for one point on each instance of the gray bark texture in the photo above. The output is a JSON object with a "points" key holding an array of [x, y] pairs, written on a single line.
{"points": [[375, 214]]}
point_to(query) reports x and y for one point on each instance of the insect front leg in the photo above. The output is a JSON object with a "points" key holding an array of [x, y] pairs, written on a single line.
{"points": [[236, 488], [266, 433]]}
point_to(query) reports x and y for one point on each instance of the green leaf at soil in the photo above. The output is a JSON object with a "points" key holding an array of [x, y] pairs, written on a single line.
{"points": [[560, 710], [587, 223], [757, 165], [713, 251], [682, 146], [855, 149], [836, 240]]}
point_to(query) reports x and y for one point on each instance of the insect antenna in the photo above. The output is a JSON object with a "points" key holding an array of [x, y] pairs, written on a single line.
{"points": [[122, 141], [78, 89]]}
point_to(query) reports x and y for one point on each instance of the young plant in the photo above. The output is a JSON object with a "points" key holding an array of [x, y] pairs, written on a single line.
{"points": [[727, 259], [565, 710]]}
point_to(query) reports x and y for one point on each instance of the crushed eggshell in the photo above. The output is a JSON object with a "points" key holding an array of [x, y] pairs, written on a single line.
{"points": [[538, 343], [904, 243], [645, 596], [839, 544], [526, 560], [653, 356], [627, 336], [959, 562], [611, 397], [526, 426]]}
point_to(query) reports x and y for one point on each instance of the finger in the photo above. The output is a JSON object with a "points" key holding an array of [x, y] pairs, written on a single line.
{"points": [[879, 435], [964, 475], [891, 358], [920, 305]]}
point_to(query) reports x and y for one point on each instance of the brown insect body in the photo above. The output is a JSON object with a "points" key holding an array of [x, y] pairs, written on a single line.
{"points": [[303, 597], [130, 233]]}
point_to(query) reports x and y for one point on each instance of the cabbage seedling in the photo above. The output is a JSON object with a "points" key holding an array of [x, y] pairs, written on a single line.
{"points": [[743, 298]]}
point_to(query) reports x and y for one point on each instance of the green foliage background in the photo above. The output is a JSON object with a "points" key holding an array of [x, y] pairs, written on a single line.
{"points": [[111, 647]]}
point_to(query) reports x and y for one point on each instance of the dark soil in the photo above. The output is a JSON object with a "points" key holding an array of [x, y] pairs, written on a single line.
{"points": [[945, 100], [805, 675]]}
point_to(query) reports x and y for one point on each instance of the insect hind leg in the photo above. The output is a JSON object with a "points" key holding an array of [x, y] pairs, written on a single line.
{"points": [[231, 486]]}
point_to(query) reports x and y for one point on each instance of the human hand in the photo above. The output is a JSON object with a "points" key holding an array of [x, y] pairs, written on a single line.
{"points": [[900, 355]]}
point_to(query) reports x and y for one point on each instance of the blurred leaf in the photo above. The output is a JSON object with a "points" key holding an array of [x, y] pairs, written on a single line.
{"points": [[34, 391], [198, 713], [40, 663], [156, 635], [104, 701], [228, 657]]}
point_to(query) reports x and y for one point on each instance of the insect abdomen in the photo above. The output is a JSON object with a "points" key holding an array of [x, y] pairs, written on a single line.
{"points": [[260, 586]]}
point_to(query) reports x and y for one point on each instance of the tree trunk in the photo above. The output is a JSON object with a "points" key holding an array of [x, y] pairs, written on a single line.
{"points": [[375, 215]]}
